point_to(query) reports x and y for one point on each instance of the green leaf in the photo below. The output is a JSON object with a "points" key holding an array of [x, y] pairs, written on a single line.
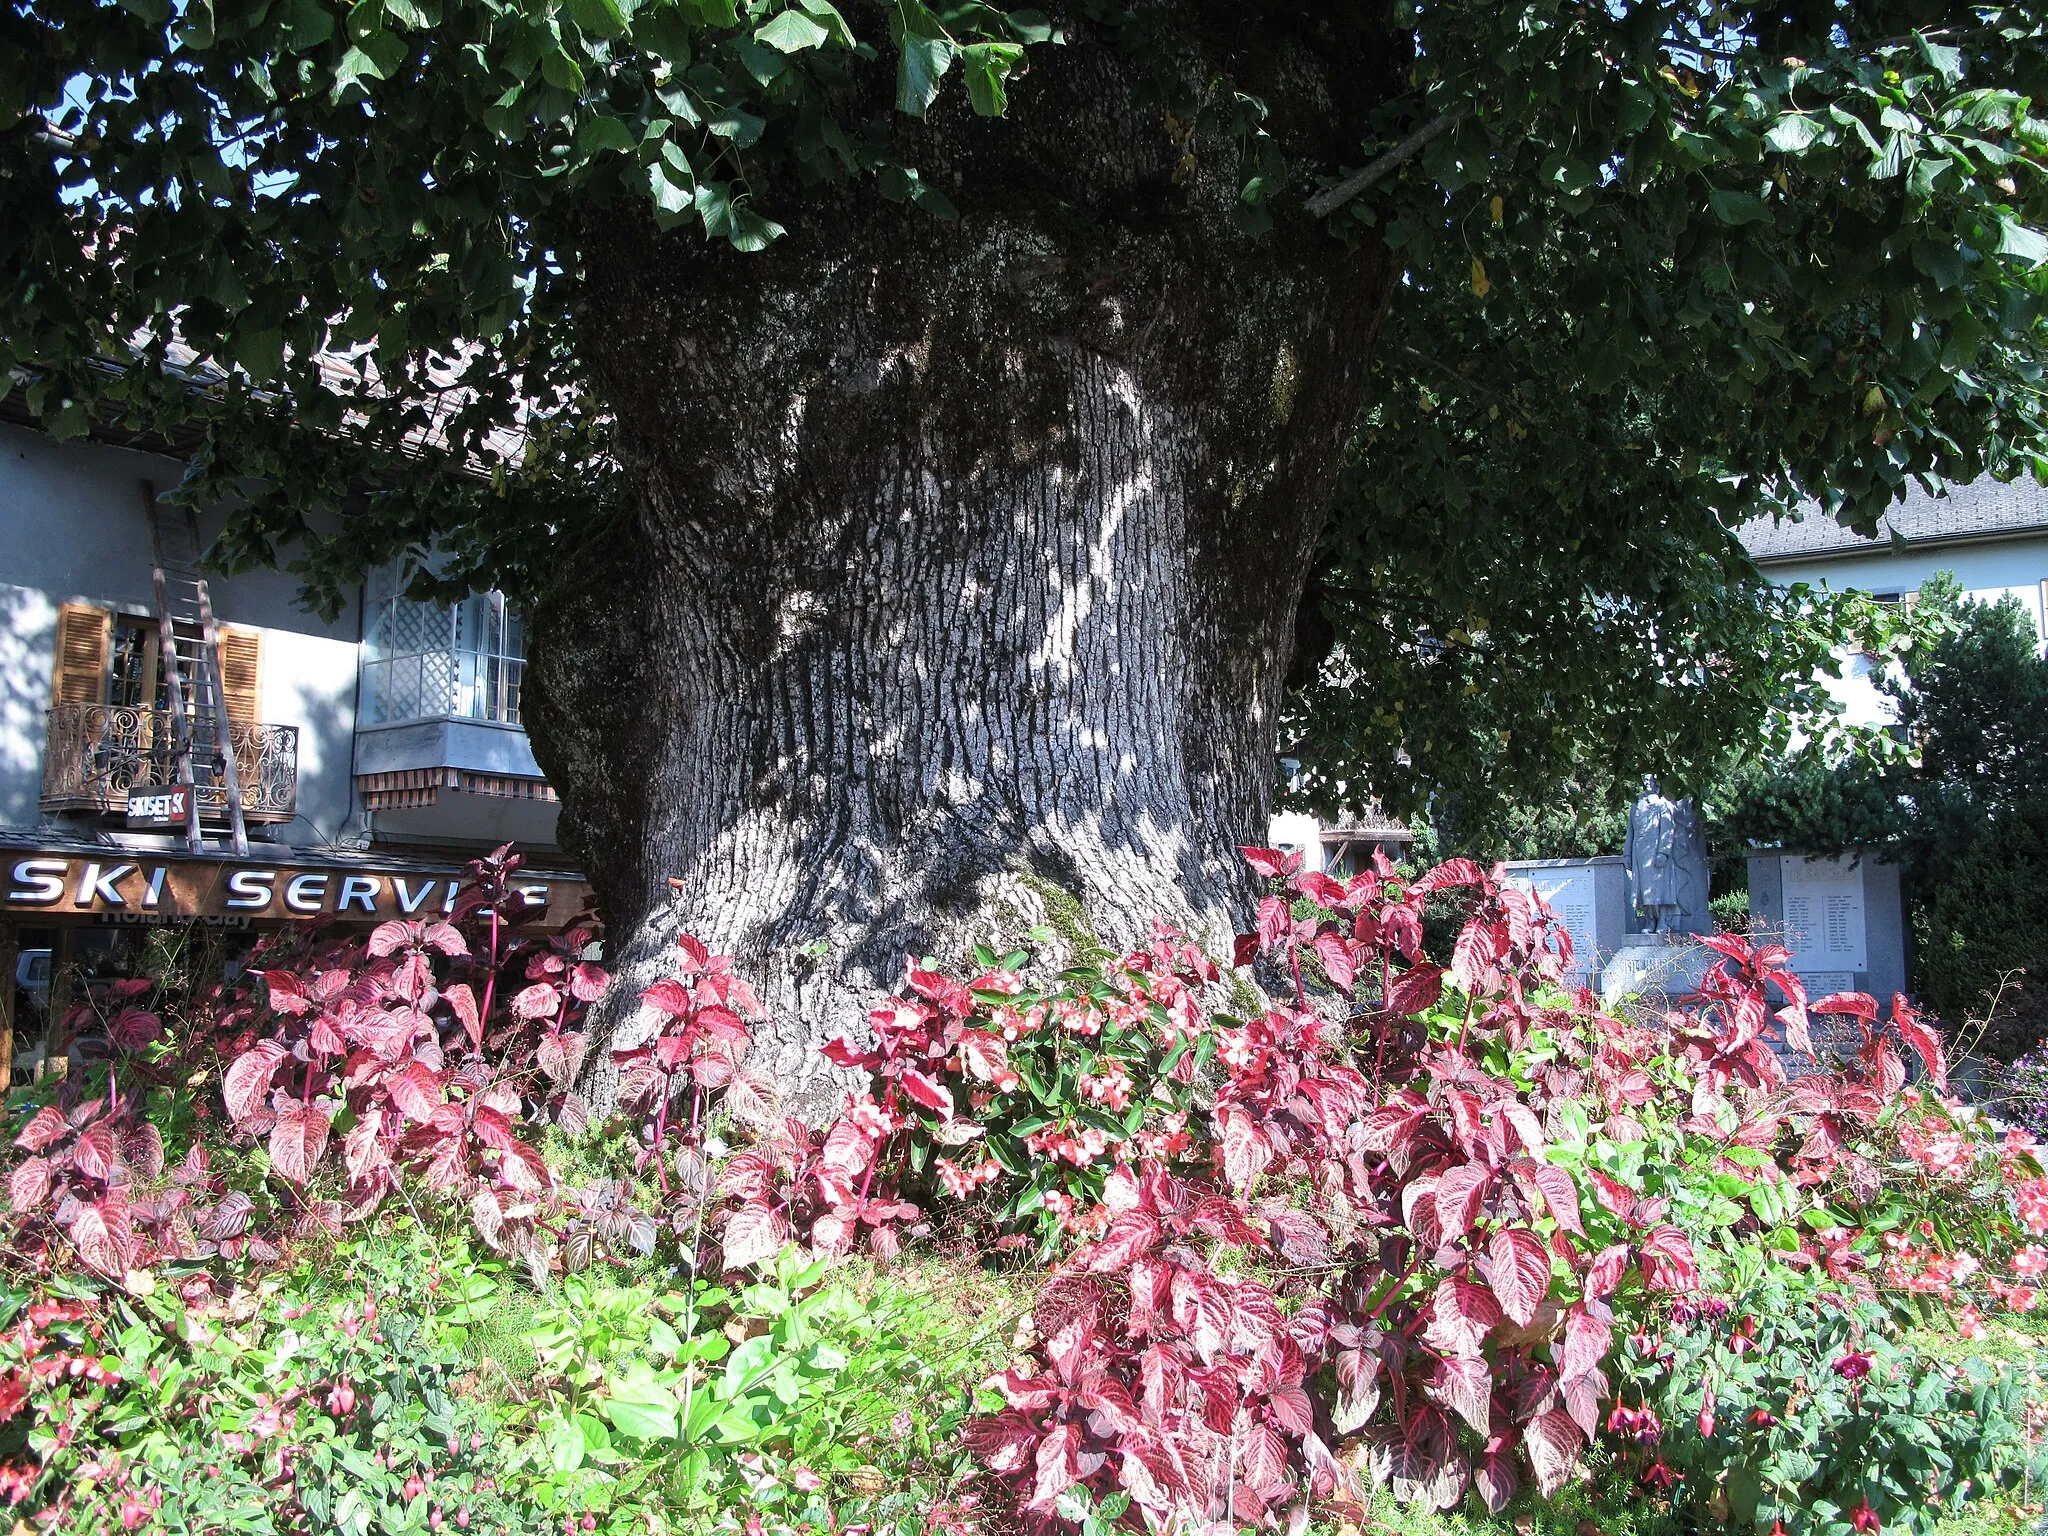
{"points": [[1793, 132], [792, 32], [598, 133], [2029, 245], [923, 64], [308, 24], [827, 16], [674, 193], [734, 123], [1736, 207], [1940, 261], [666, 35], [764, 64], [195, 25], [561, 71], [261, 353], [564, 1442], [986, 66], [746, 1361], [1638, 106], [642, 1420], [599, 18], [1032, 27], [355, 65]]}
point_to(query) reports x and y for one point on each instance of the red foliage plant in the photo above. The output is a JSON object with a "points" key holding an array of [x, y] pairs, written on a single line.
{"points": [[1373, 1251], [405, 1034]]}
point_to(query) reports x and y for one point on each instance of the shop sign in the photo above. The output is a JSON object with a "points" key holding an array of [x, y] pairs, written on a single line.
{"points": [[135, 888], [159, 806]]}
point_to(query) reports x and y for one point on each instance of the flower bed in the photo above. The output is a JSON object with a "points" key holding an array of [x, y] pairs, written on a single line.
{"points": [[1438, 1226]]}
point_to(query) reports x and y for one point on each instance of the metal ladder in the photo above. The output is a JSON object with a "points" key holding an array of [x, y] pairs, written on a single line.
{"points": [[188, 652]]}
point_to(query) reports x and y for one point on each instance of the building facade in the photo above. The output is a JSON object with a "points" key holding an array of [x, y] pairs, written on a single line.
{"points": [[373, 754], [1992, 537]]}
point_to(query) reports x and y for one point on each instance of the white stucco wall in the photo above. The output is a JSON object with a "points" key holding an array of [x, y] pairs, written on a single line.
{"points": [[72, 530], [1297, 832], [1988, 571]]}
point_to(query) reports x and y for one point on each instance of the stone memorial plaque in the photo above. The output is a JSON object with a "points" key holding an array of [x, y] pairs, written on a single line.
{"points": [[1821, 983], [1824, 915], [1571, 894]]}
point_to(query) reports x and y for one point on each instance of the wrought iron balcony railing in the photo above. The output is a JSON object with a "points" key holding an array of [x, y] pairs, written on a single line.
{"points": [[99, 752]]}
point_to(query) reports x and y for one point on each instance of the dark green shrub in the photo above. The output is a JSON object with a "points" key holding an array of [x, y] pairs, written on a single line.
{"points": [[1987, 919]]}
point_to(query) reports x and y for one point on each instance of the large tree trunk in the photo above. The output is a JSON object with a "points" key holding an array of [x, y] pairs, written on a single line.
{"points": [[961, 583]]}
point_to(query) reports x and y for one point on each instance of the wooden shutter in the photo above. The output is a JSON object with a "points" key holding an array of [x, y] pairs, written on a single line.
{"points": [[85, 638], [241, 672]]}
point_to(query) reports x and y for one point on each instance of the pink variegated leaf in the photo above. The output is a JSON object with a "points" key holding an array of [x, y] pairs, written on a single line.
{"points": [[29, 1184], [1058, 1466], [100, 1231], [1553, 1440], [1320, 889], [416, 1090], [97, 1150], [1128, 1237], [1465, 1385], [446, 938], [1667, 1261], [842, 1053], [1272, 921], [1415, 990], [389, 938], [1560, 1193], [1922, 1039], [1246, 1151], [1606, 1270], [1792, 1019], [44, 1130], [297, 1141], [1520, 1274], [928, 1092], [462, 1003], [1586, 1341], [754, 1235], [247, 1082], [1335, 954], [1448, 875], [1270, 862], [1497, 1479], [1615, 1197], [1002, 1442], [1460, 1192]]}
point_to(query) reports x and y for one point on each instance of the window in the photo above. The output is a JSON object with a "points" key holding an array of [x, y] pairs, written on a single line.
{"points": [[425, 662], [113, 658]]}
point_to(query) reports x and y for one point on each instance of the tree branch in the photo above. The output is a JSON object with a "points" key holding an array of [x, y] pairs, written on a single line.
{"points": [[1329, 200]]}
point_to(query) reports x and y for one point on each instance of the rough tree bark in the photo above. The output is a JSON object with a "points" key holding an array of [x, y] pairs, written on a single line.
{"points": [[966, 555]]}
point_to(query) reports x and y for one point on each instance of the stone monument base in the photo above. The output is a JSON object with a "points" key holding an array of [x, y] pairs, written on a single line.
{"points": [[1658, 970]]}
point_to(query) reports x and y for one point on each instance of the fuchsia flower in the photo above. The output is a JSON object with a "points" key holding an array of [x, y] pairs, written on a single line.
{"points": [[1853, 1366], [1864, 1518]]}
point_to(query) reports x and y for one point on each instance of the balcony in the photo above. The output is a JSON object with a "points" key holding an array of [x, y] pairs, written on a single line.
{"points": [[97, 753]]}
